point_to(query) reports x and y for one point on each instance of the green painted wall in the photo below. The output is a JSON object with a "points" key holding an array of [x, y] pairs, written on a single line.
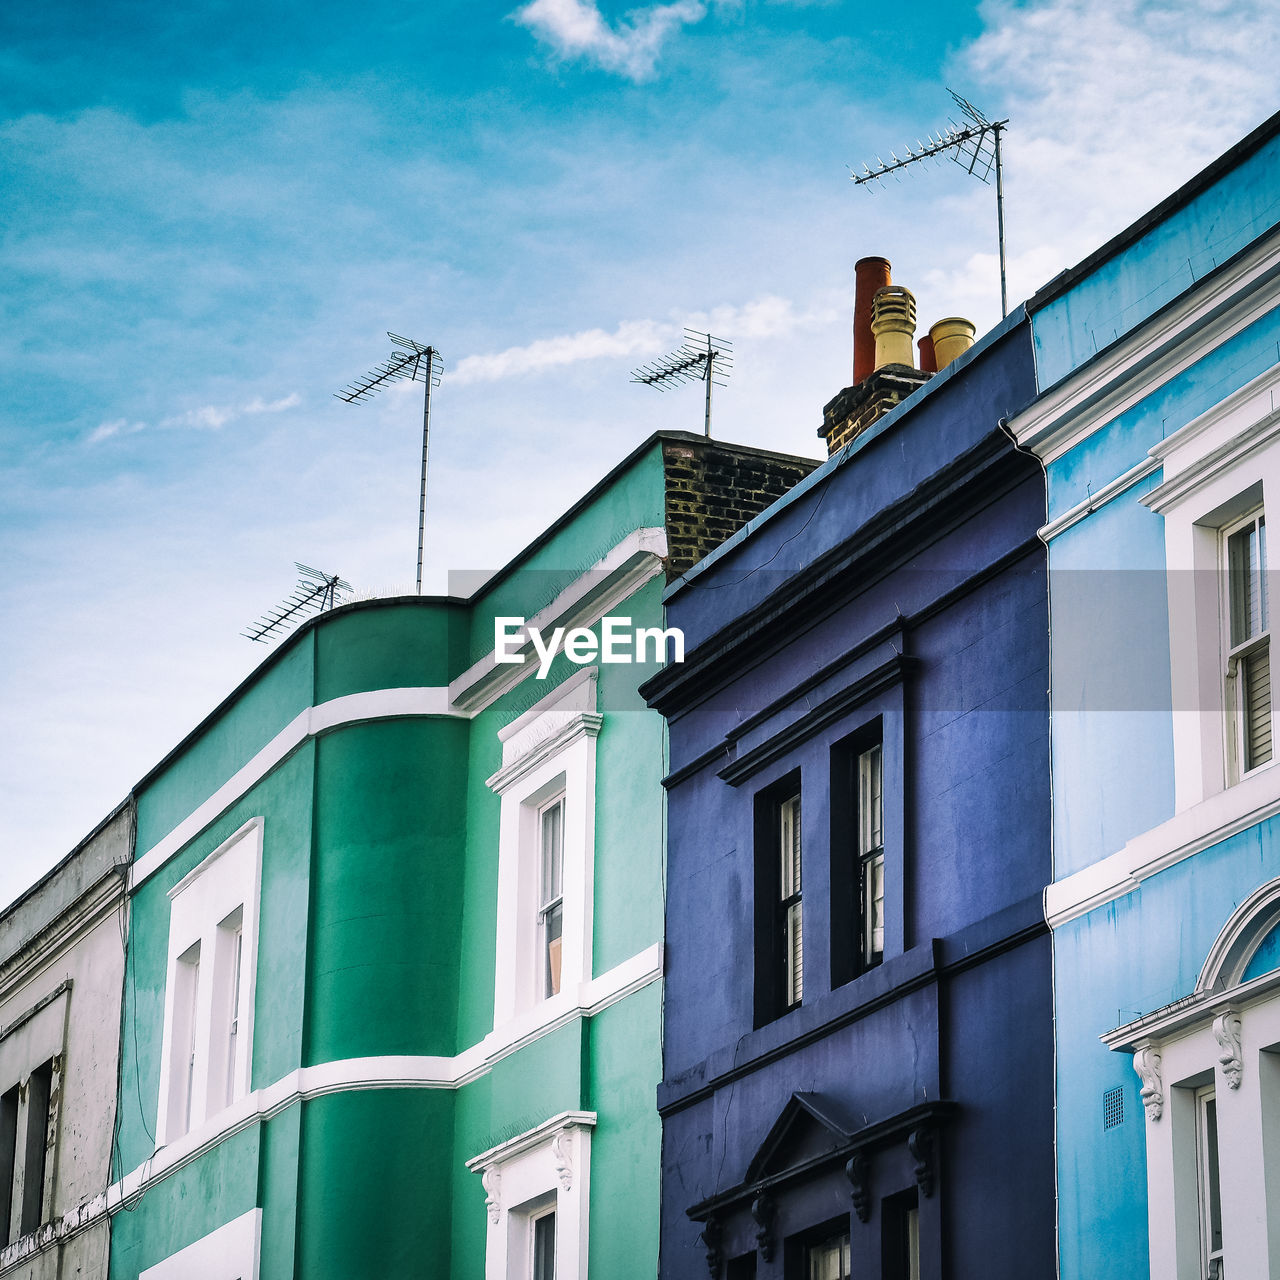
{"points": [[375, 1185], [187, 1206], [377, 937], [386, 890]]}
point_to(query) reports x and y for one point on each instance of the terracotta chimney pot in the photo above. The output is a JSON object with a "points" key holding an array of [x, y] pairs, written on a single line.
{"points": [[869, 275]]}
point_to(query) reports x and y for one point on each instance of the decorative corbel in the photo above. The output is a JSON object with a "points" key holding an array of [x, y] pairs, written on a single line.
{"points": [[920, 1144], [712, 1237], [763, 1210], [562, 1154], [858, 1171], [1226, 1031], [491, 1180], [1146, 1062]]}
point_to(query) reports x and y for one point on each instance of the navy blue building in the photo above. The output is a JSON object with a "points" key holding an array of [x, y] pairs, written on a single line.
{"points": [[858, 1056]]}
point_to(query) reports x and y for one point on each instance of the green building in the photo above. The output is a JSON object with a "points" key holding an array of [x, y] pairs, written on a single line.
{"points": [[393, 980]]}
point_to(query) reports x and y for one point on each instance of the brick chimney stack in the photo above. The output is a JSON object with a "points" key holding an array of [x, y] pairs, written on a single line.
{"points": [[884, 371]]}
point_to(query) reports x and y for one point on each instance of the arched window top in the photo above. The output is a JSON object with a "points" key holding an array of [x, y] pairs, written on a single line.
{"points": [[1249, 944]]}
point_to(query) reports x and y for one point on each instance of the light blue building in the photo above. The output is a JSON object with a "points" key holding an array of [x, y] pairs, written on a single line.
{"points": [[1158, 423]]}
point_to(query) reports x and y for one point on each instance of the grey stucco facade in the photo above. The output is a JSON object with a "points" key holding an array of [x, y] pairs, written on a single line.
{"points": [[61, 981]]}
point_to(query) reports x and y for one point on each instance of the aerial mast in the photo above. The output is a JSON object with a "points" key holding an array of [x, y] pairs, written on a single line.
{"points": [[416, 363], [974, 146], [701, 358]]}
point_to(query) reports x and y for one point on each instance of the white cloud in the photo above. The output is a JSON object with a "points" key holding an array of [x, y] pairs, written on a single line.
{"points": [[208, 417], [765, 317], [120, 426], [1113, 104], [577, 29], [259, 405], [631, 337]]}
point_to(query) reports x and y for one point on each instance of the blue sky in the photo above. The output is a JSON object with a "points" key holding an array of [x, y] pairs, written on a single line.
{"points": [[212, 217]]}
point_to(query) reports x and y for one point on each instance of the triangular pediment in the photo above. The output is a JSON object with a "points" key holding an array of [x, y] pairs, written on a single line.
{"points": [[808, 1126]]}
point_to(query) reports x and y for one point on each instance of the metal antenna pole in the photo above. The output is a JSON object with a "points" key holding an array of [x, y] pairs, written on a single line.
{"points": [[316, 592], [975, 146], [422, 493], [702, 358], [416, 363], [1004, 289], [711, 364]]}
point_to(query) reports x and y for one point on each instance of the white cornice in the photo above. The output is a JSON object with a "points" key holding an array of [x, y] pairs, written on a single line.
{"points": [[582, 724], [392, 1072], [1121, 484], [1184, 1014], [1207, 315], [352, 709], [1217, 440], [607, 583], [1203, 825], [523, 1142]]}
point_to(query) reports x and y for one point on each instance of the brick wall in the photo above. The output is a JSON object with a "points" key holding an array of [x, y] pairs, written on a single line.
{"points": [[713, 489], [851, 412]]}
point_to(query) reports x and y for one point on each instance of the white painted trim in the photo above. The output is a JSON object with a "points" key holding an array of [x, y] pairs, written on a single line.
{"points": [[391, 1072], [1217, 818], [1155, 352], [547, 1168], [583, 723], [1235, 945], [611, 580], [378, 704], [531, 1138], [232, 1249], [1095, 501], [570, 690]]}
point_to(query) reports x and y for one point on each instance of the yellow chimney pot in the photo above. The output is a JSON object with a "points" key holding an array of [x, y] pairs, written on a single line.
{"points": [[951, 337], [893, 322]]}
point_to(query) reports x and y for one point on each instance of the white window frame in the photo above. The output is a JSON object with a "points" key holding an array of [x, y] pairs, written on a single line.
{"points": [[1235, 654], [213, 914], [232, 1252], [549, 753], [546, 1168], [1223, 1040], [1217, 470], [791, 898]]}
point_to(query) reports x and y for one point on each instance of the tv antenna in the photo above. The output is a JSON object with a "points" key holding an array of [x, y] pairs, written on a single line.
{"points": [[701, 358], [418, 364], [316, 592], [974, 146]]}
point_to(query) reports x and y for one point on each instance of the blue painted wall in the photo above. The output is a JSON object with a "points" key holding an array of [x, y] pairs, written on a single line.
{"points": [[1184, 247], [923, 533]]}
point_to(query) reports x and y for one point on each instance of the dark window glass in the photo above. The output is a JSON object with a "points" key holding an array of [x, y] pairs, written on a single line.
{"points": [[544, 1247], [39, 1089]]}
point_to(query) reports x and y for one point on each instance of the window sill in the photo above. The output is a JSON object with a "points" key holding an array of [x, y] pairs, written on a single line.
{"points": [[1251, 800]]}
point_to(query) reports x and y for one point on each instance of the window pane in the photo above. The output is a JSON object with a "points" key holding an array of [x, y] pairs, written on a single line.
{"points": [[873, 900], [552, 852], [1210, 1187], [39, 1089], [1244, 567], [830, 1260], [8, 1158], [233, 1037], [870, 801], [1255, 674], [789, 846], [794, 955], [544, 1247], [553, 929]]}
